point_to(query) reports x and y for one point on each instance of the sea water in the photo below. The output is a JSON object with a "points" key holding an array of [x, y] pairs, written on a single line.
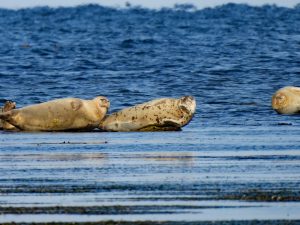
{"points": [[236, 160]]}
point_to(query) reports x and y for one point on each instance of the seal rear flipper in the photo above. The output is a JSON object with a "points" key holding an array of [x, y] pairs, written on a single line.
{"points": [[76, 105], [5, 116], [9, 105], [9, 118]]}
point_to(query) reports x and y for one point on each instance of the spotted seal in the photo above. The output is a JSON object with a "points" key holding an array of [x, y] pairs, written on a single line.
{"points": [[59, 115], [164, 114], [287, 100]]}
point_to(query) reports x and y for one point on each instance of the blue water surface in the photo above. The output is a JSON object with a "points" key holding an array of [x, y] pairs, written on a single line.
{"points": [[232, 58], [234, 161]]}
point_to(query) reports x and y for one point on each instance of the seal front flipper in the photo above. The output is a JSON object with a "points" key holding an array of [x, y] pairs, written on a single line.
{"points": [[170, 123], [76, 105], [152, 128], [166, 125]]}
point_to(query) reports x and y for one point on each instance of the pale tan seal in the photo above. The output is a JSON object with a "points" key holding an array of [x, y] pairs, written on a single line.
{"points": [[59, 115], [157, 115], [287, 100]]}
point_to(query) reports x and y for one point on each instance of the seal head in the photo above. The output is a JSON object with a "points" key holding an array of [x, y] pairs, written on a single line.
{"points": [[188, 104], [102, 103], [279, 101], [286, 100]]}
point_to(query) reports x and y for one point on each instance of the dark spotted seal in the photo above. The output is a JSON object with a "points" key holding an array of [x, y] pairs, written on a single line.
{"points": [[157, 115]]}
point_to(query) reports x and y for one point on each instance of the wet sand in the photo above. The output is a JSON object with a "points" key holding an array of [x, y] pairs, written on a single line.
{"points": [[219, 175]]}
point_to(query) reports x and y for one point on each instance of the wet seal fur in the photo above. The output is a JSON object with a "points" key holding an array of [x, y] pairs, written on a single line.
{"points": [[287, 100], [59, 115], [165, 114]]}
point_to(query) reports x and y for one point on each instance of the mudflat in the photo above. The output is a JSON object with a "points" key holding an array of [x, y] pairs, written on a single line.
{"points": [[224, 175]]}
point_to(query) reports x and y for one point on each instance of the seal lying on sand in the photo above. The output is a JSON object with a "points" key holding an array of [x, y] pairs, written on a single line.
{"points": [[9, 105], [59, 115], [287, 100], [165, 114]]}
